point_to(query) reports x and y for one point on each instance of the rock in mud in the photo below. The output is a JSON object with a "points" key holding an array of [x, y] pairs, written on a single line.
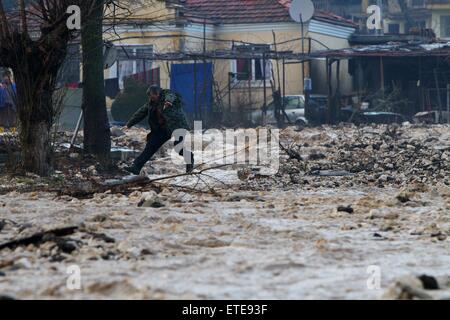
{"points": [[440, 236], [151, 200], [347, 209], [22, 263], [404, 197], [67, 246], [429, 283]]}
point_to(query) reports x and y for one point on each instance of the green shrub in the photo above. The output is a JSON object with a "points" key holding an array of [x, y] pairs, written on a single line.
{"points": [[133, 96]]}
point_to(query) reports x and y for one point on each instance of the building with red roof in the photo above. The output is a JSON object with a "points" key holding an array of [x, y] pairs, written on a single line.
{"points": [[196, 26]]}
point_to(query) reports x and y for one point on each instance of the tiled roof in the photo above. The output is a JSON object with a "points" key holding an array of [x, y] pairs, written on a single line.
{"points": [[238, 11], [250, 11]]}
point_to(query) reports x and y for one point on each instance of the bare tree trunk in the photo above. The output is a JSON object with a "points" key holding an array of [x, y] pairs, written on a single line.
{"points": [[35, 81], [35, 49], [97, 134], [36, 148], [36, 115]]}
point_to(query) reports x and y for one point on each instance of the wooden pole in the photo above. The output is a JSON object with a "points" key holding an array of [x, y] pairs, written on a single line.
{"points": [[229, 91], [336, 109], [330, 90]]}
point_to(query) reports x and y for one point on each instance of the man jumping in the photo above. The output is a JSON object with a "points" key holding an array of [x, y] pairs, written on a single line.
{"points": [[165, 115]]}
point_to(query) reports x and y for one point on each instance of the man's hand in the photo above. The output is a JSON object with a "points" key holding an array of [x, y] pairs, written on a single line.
{"points": [[167, 105], [125, 129]]}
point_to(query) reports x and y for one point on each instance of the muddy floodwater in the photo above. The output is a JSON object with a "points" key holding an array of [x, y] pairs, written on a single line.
{"points": [[293, 236]]}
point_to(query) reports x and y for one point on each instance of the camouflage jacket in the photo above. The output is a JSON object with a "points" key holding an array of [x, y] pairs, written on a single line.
{"points": [[173, 118]]}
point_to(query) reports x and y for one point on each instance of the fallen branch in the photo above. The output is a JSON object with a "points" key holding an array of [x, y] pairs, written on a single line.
{"points": [[186, 188], [189, 174]]}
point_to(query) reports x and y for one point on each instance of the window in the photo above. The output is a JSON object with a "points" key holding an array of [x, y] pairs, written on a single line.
{"points": [[252, 69], [133, 60], [394, 28], [243, 69], [292, 103], [445, 27]]}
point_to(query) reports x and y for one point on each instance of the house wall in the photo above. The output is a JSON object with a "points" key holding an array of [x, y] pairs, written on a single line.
{"points": [[190, 39], [150, 23], [251, 96], [322, 40]]}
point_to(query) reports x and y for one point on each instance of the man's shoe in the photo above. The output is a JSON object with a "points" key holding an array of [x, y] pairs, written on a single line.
{"points": [[133, 170], [189, 168]]}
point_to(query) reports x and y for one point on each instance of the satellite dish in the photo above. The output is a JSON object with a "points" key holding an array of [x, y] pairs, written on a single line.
{"points": [[109, 55], [301, 10]]}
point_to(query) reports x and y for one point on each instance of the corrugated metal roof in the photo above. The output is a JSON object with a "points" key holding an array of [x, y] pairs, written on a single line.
{"points": [[389, 50], [325, 28]]}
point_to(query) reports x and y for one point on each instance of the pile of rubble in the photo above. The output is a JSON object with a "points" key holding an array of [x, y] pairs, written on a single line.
{"points": [[373, 155]]}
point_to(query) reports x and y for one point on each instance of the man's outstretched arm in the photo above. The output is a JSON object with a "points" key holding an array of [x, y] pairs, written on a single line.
{"points": [[138, 116]]}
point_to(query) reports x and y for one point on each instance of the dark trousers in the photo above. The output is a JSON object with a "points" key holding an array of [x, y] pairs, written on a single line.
{"points": [[155, 140]]}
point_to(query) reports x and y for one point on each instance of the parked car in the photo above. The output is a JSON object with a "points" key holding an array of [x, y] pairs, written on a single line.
{"points": [[294, 107], [295, 110]]}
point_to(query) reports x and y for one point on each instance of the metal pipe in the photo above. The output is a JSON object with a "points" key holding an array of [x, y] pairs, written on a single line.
{"points": [[77, 129]]}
